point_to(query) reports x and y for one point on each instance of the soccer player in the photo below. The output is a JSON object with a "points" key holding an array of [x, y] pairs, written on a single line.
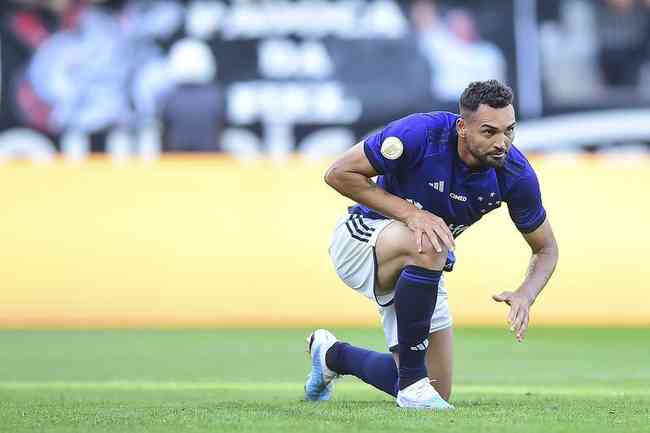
{"points": [[439, 173]]}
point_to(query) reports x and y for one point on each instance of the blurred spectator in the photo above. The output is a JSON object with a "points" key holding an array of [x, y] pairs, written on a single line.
{"points": [[192, 113], [454, 49], [59, 89], [86, 96], [622, 33], [25, 26], [569, 46]]}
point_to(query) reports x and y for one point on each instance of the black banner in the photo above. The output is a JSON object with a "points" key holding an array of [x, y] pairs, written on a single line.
{"points": [[270, 77]]}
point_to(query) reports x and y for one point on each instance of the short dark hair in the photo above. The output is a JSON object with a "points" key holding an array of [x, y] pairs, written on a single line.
{"points": [[491, 92]]}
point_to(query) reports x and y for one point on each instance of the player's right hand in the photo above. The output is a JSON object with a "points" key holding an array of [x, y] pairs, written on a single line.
{"points": [[423, 223], [519, 311]]}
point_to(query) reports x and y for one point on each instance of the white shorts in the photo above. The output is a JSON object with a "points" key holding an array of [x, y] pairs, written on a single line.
{"points": [[353, 253]]}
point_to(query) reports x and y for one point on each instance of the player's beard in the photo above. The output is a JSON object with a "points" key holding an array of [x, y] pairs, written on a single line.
{"points": [[488, 160]]}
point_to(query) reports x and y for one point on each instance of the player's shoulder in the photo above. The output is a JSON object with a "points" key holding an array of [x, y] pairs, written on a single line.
{"points": [[517, 172], [517, 165], [431, 131], [429, 120]]}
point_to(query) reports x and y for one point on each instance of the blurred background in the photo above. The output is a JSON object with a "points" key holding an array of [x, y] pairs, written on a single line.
{"points": [[161, 161]]}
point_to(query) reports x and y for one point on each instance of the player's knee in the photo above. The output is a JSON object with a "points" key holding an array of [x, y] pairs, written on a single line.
{"points": [[403, 247], [428, 258]]}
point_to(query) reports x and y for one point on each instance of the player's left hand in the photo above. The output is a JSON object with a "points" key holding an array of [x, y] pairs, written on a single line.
{"points": [[519, 312]]}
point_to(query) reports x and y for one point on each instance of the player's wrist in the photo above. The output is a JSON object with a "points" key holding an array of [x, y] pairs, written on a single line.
{"points": [[407, 212], [526, 294]]}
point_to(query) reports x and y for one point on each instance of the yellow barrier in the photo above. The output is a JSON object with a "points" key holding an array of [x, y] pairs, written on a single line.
{"points": [[206, 241]]}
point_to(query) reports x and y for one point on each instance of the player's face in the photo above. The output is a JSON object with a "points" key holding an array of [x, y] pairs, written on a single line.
{"points": [[489, 133]]}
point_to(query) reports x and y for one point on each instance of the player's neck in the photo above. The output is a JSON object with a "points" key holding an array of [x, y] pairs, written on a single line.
{"points": [[466, 156]]}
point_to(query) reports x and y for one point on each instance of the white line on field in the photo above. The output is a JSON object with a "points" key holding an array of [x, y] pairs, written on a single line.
{"points": [[350, 386]]}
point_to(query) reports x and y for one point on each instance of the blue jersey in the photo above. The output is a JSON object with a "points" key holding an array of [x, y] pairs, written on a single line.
{"points": [[424, 168]]}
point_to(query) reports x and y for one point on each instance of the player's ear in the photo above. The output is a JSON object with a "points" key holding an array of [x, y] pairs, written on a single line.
{"points": [[460, 127]]}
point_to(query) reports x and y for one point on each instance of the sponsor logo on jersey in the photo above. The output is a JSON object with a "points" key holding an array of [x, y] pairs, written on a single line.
{"points": [[417, 204], [457, 197], [392, 148], [438, 186]]}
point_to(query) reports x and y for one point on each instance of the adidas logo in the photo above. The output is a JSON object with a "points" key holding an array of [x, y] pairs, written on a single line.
{"points": [[421, 346], [438, 186]]}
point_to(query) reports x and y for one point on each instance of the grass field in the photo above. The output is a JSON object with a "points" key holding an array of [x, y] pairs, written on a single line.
{"points": [[559, 380]]}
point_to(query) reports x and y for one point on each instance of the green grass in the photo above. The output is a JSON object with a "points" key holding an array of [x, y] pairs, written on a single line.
{"points": [[559, 380]]}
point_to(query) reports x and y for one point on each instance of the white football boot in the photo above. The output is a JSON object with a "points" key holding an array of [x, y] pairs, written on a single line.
{"points": [[320, 381], [422, 395]]}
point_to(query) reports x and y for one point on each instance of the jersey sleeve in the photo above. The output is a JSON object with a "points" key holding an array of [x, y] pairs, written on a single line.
{"points": [[398, 146], [525, 203]]}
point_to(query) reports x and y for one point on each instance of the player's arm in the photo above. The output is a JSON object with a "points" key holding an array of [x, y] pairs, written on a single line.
{"points": [[542, 262], [351, 175], [529, 216], [540, 268]]}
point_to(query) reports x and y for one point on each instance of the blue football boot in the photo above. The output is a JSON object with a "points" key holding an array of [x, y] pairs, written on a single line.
{"points": [[320, 381]]}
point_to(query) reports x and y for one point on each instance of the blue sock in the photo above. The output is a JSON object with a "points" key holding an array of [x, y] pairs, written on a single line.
{"points": [[374, 368], [416, 293]]}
